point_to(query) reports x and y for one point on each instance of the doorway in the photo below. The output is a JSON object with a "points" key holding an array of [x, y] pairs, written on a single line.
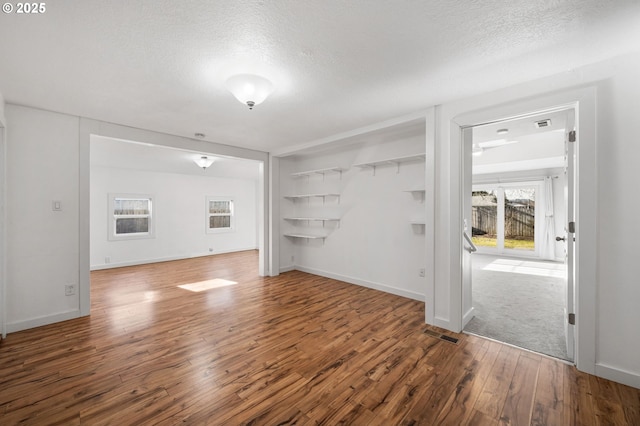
{"points": [[519, 285]]}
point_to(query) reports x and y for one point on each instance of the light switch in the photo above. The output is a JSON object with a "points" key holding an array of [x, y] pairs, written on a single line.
{"points": [[56, 206]]}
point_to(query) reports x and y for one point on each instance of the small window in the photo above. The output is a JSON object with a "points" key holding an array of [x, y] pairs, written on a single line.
{"points": [[220, 214], [131, 216]]}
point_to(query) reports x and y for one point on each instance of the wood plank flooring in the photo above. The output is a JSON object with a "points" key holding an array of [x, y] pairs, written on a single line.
{"points": [[294, 349]]}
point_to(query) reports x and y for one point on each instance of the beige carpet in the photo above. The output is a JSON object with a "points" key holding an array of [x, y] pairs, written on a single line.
{"points": [[520, 302]]}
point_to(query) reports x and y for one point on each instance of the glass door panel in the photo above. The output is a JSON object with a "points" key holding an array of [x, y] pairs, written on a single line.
{"points": [[484, 217], [519, 218]]}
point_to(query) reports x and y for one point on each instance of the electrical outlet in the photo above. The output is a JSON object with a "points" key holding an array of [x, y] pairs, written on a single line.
{"points": [[107, 259], [293, 259], [210, 249], [69, 290], [421, 272]]}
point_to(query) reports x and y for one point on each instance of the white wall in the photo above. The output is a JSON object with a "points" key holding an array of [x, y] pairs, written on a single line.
{"points": [[616, 288], [42, 244], [374, 244], [618, 178], [47, 160], [179, 209]]}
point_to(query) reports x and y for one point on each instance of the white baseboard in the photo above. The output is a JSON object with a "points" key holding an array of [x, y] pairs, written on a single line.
{"points": [[617, 375], [287, 268], [363, 283], [12, 327], [163, 259], [468, 316]]}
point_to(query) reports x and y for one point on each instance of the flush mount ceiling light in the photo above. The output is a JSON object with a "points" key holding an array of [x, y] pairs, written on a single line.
{"points": [[250, 89], [204, 162]]}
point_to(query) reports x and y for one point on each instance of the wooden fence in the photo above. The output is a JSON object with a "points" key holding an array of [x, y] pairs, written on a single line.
{"points": [[519, 221]]}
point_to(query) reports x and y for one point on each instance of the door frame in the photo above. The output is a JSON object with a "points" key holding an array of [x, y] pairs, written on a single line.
{"points": [[3, 225], [445, 292], [89, 127]]}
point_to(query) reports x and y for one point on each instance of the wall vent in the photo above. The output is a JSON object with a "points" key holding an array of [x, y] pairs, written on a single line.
{"points": [[543, 123], [441, 336]]}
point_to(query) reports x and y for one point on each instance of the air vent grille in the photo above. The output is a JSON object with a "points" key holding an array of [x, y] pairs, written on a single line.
{"points": [[441, 336], [543, 123]]}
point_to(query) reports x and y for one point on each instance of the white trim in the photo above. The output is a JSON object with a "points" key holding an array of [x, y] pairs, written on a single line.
{"points": [[40, 321], [164, 259], [287, 269], [468, 316], [431, 136], [448, 200], [363, 283], [618, 375], [3, 227], [90, 127]]}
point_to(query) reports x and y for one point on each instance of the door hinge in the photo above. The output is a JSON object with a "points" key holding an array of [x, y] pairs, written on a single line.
{"points": [[572, 319], [572, 136], [572, 227]]}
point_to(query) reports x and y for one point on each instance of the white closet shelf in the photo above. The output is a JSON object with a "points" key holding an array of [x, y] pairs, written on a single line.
{"points": [[306, 236], [415, 190], [396, 160], [317, 219], [391, 161], [319, 171], [294, 197], [418, 222]]}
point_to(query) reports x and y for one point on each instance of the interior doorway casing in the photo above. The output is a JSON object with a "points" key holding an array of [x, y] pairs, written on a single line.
{"points": [[3, 265], [445, 288], [90, 127]]}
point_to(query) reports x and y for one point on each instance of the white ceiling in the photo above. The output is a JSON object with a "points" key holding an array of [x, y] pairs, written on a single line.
{"points": [[337, 65]]}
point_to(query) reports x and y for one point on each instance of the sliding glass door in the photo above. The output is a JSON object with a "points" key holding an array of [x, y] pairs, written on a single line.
{"points": [[505, 219]]}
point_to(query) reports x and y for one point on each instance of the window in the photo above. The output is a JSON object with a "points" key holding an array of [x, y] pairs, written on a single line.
{"points": [[131, 216], [505, 218], [220, 215]]}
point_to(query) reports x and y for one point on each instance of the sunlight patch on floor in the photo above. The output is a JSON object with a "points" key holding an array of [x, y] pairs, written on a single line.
{"points": [[207, 285], [542, 269]]}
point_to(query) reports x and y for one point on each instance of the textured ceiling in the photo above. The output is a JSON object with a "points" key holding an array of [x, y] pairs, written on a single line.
{"points": [[336, 65]]}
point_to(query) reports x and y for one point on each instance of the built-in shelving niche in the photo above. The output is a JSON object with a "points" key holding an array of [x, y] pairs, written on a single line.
{"points": [[306, 220]]}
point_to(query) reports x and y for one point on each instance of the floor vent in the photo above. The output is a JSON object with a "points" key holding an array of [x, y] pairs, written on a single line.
{"points": [[441, 336]]}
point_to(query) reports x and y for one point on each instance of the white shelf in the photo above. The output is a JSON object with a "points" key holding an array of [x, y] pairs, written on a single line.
{"points": [[418, 193], [306, 236], [316, 219], [391, 161], [295, 197], [319, 172], [418, 222]]}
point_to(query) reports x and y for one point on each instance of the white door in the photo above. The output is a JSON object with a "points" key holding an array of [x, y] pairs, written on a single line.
{"points": [[569, 235]]}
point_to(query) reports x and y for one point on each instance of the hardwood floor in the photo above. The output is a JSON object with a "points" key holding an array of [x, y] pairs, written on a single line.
{"points": [[294, 349]]}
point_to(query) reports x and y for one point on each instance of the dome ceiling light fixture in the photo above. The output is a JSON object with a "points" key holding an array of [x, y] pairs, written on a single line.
{"points": [[204, 162], [249, 89]]}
